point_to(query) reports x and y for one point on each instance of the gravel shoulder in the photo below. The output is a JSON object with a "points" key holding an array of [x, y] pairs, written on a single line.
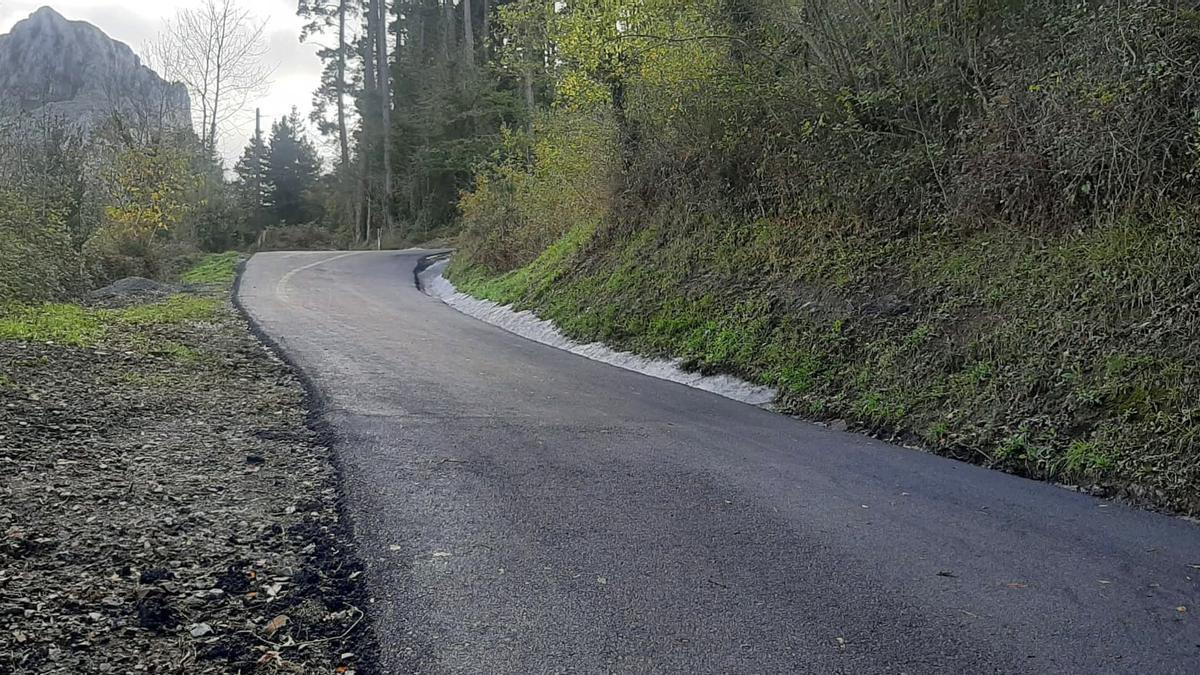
{"points": [[166, 507]]}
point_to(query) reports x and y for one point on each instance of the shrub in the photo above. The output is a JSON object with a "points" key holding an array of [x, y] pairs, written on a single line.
{"points": [[306, 237], [37, 261]]}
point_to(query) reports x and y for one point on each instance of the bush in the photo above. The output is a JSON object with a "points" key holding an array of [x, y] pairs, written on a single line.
{"points": [[558, 177], [37, 261], [306, 237], [111, 254]]}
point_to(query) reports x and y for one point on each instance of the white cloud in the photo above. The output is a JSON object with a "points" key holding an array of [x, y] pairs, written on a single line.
{"points": [[135, 22]]}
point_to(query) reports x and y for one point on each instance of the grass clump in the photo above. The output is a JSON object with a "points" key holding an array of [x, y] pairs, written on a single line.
{"points": [[52, 322], [215, 268]]}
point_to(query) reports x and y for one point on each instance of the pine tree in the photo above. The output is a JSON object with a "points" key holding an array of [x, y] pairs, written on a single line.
{"points": [[251, 186], [292, 171], [324, 16]]}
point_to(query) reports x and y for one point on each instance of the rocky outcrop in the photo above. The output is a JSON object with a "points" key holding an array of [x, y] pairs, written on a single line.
{"points": [[71, 68]]}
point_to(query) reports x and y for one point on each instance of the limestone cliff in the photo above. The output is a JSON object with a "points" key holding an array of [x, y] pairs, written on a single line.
{"points": [[72, 68]]}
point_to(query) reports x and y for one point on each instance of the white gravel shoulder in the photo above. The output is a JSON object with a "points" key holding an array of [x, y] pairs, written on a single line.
{"points": [[528, 325]]}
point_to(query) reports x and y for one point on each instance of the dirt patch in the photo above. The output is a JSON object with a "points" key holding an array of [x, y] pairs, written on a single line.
{"points": [[170, 511]]}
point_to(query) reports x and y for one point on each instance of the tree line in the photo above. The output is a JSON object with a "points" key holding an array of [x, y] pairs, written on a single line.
{"points": [[900, 114]]}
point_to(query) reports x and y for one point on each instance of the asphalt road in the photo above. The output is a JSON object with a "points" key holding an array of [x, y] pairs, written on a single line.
{"points": [[525, 510]]}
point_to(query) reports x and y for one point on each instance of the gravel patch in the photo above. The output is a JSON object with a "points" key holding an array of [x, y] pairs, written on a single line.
{"points": [[133, 288], [168, 510]]}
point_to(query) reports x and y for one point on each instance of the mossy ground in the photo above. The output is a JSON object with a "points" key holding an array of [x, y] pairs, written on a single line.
{"points": [[1070, 358]]}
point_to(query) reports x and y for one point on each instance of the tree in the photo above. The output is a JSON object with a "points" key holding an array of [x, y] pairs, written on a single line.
{"points": [[525, 25], [251, 186], [321, 16], [292, 171], [383, 81], [217, 51], [468, 32]]}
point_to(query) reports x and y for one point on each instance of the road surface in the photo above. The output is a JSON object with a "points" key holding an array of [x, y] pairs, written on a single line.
{"points": [[524, 510]]}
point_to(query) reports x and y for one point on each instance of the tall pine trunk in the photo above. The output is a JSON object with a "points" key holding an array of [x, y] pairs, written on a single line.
{"points": [[447, 28], [385, 108], [369, 125], [468, 31], [343, 134]]}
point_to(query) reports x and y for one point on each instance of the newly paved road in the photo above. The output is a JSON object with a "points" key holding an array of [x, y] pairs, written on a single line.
{"points": [[524, 510]]}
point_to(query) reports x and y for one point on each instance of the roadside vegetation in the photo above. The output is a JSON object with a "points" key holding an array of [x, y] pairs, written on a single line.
{"points": [[158, 203], [968, 226]]}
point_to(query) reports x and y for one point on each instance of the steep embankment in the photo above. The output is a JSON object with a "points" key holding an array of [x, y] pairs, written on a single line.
{"points": [[989, 250], [1072, 360]]}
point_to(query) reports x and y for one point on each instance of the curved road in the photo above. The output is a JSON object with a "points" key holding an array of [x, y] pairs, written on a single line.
{"points": [[524, 510]]}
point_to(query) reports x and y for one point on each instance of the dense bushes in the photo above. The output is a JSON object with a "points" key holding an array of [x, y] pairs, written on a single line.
{"points": [[885, 114], [37, 261], [970, 224], [308, 237]]}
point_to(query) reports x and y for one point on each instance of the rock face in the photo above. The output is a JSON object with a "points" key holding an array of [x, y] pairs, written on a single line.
{"points": [[71, 68]]}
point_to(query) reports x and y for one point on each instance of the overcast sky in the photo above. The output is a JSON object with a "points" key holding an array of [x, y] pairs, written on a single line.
{"points": [[135, 22]]}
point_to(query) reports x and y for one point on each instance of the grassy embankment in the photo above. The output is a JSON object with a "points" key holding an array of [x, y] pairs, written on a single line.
{"points": [[1071, 359]]}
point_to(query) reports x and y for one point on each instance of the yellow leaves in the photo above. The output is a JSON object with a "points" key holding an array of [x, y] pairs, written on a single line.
{"points": [[147, 189]]}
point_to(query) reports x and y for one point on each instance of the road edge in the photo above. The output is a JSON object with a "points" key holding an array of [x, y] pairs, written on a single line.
{"points": [[365, 645]]}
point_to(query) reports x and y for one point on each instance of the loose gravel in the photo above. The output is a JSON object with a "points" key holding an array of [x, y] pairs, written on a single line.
{"points": [[165, 508]]}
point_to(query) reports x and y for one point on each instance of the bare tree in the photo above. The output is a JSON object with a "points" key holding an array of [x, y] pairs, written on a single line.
{"points": [[217, 50]]}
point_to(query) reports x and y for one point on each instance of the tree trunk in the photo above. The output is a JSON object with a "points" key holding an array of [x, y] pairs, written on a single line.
{"points": [[222, 31], [468, 31], [487, 32], [368, 124], [528, 87], [343, 134], [447, 28], [385, 108]]}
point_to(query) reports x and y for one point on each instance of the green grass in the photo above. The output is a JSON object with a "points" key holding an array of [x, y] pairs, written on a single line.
{"points": [[215, 268], [52, 322], [78, 326], [176, 309]]}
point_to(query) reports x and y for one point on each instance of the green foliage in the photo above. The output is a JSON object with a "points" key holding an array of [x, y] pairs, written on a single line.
{"points": [[309, 237], [215, 268], [146, 190], [176, 309], [37, 261]]}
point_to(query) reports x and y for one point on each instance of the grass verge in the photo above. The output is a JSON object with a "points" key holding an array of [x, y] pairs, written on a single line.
{"points": [[214, 268]]}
